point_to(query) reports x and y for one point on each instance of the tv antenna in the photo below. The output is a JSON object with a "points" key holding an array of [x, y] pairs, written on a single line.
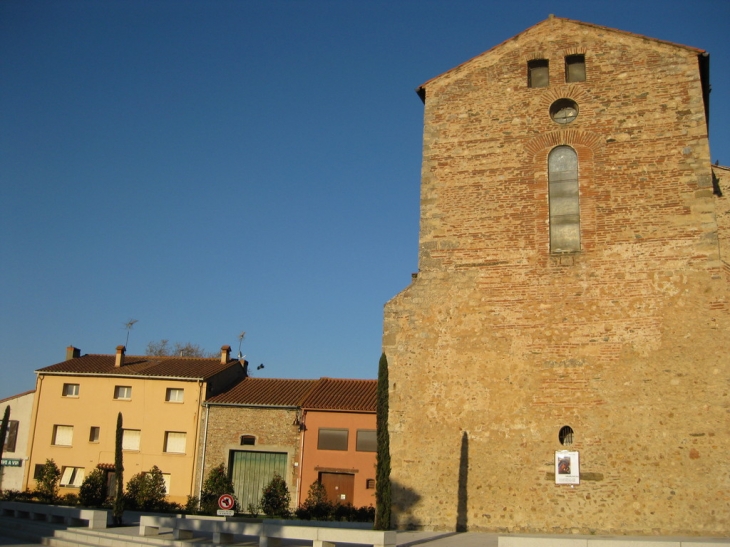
{"points": [[240, 341], [128, 325]]}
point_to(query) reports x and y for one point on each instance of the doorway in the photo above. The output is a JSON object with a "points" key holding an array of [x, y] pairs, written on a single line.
{"points": [[252, 471], [340, 487]]}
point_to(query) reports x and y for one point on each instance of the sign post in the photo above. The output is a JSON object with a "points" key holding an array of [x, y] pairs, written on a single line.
{"points": [[226, 504]]}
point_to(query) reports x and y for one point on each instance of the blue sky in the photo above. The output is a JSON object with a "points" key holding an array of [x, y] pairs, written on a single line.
{"points": [[212, 167]]}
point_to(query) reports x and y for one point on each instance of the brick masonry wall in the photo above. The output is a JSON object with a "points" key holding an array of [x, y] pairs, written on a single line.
{"points": [[272, 428], [498, 343]]}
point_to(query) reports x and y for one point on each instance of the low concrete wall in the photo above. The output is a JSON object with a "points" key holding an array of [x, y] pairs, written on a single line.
{"points": [[224, 529], [71, 516]]}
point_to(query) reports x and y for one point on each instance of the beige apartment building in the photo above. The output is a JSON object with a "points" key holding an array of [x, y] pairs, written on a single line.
{"points": [[78, 400]]}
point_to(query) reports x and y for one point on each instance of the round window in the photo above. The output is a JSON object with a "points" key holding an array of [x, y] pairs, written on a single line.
{"points": [[565, 435], [563, 111]]}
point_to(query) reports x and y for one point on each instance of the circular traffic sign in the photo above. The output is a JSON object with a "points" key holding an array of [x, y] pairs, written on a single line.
{"points": [[226, 501]]}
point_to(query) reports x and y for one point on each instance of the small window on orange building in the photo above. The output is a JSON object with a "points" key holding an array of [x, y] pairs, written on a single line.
{"points": [[367, 440], [332, 439]]}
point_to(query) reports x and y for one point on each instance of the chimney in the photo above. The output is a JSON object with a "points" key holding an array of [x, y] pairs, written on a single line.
{"points": [[225, 354], [119, 361], [72, 353]]}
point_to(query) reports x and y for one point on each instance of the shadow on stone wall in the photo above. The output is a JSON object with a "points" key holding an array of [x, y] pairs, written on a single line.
{"points": [[401, 510], [462, 495]]}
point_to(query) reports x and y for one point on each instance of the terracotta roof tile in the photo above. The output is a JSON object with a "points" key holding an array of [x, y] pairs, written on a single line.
{"points": [[343, 394], [265, 392], [323, 394], [170, 367]]}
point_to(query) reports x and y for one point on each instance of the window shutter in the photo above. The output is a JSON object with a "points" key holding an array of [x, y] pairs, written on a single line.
{"points": [[175, 442], [130, 439], [64, 435]]}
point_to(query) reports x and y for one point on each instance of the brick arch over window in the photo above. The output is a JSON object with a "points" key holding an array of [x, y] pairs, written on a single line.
{"points": [[589, 148]]}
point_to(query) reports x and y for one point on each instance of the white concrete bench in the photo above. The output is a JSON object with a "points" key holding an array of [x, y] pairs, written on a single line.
{"points": [[269, 533], [324, 536], [183, 527], [70, 516]]}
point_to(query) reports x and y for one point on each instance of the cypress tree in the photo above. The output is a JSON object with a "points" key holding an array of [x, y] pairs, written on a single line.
{"points": [[118, 474], [382, 472], [3, 433]]}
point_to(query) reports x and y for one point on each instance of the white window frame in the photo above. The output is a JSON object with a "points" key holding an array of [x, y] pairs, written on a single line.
{"points": [[175, 442], [70, 390], [122, 393], [175, 395], [72, 477], [63, 435]]}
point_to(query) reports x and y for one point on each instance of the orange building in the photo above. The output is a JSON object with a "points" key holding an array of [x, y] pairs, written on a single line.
{"points": [[77, 402], [339, 443], [306, 431]]}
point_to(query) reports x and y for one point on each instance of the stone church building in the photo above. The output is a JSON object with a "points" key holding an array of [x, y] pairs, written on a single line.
{"points": [[559, 363]]}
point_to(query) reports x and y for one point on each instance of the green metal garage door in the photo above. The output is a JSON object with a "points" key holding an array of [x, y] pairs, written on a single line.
{"points": [[251, 472]]}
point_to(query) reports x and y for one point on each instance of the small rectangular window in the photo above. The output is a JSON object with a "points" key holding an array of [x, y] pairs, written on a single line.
{"points": [[63, 435], [175, 442], [72, 476], [367, 440], [70, 390], [11, 436], [94, 434], [37, 471], [174, 395], [370, 484], [166, 478], [575, 68], [538, 73], [332, 439], [131, 439], [123, 392]]}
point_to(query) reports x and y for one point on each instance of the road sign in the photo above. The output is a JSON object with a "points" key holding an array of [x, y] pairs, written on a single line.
{"points": [[226, 502]]}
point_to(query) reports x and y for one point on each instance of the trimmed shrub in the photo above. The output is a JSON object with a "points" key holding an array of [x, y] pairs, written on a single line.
{"points": [[71, 500], [275, 499], [93, 490], [47, 482], [146, 492], [218, 482], [192, 506], [318, 507]]}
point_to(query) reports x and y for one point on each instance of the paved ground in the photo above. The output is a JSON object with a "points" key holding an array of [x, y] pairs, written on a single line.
{"points": [[441, 539]]}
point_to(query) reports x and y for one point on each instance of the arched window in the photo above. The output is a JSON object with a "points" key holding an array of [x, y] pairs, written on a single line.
{"points": [[564, 200]]}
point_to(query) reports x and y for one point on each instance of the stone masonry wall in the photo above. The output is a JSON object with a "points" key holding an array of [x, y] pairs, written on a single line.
{"points": [[498, 343], [272, 428]]}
